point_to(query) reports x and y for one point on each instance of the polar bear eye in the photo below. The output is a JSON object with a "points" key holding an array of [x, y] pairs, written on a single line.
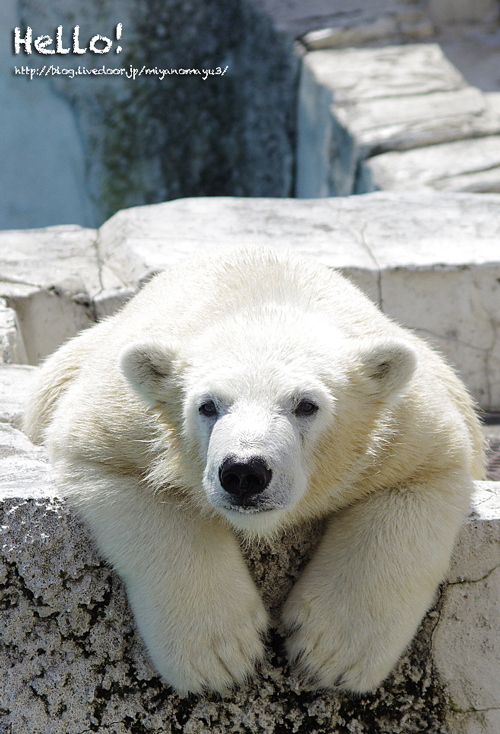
{"points": [[305, 409], [208, 409]]}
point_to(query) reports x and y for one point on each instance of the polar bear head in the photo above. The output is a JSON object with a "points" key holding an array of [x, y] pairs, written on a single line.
{"points": [[259, 401]]}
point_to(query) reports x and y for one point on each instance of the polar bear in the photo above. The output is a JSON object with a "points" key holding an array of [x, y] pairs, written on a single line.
{"points": [[246, 392]]}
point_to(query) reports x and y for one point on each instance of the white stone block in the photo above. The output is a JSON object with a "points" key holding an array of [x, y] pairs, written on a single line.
{"points": [[136, 242], [15, 383], [50, 277], [421, 119], [386, 72], [24, 469], [328, 152], [463, 165]]}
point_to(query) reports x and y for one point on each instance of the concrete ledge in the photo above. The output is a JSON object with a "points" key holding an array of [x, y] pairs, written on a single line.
{"points": [[71, 661]]}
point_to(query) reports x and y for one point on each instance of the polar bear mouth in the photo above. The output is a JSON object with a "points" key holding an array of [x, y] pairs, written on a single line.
{"points": [[254, 519], [249, 509], [249, 505]]}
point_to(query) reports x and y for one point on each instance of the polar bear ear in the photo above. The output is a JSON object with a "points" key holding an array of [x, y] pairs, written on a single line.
{"points": [[386, 367], [147, 367]]}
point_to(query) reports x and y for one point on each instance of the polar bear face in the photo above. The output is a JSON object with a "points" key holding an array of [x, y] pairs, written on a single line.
{"points": [[253, 410], [256, 445]]}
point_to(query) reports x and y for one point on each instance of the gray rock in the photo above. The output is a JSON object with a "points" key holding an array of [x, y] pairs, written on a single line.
{"points": [[469, 622], [24, 470], [50, 278], [15, 382], [422, 119], [389, 72]]}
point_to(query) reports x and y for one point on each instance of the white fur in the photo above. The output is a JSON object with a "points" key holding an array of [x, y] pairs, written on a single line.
{"points": [[260, 356]]}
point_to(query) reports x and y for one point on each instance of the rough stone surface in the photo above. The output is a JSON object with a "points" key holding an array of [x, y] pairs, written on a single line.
{"points": [[139, 241], [390, 72], [72, 662], [357, 103], [15, 382], [469, 622]]}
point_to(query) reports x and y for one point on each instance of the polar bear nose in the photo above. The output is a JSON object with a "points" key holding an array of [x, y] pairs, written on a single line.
{"points": [[244, 478]]}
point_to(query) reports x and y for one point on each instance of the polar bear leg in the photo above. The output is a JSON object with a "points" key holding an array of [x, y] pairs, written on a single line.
{"points": [[362, 596], [195, 604]]}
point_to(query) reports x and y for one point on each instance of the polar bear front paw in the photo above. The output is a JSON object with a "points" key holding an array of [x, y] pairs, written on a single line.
{"points": [[218, 660], [208, 647], [334, 649]]}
